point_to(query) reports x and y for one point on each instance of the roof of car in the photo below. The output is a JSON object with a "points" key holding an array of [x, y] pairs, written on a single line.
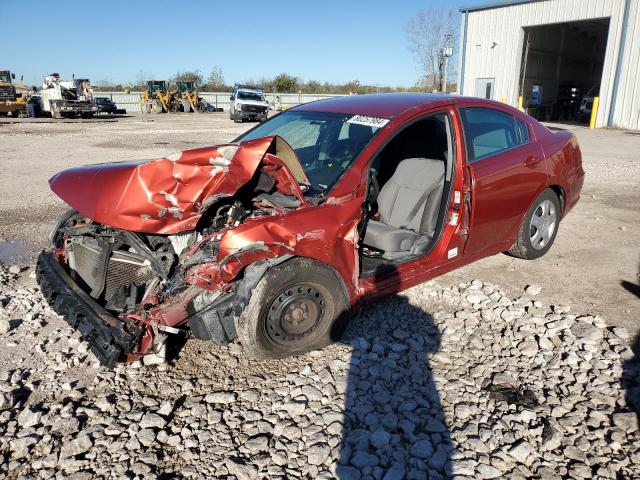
{"points": [[384, 105]]}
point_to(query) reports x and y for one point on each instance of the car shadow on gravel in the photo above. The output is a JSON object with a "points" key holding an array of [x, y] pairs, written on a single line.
{"points": [[631, 379], [394, 423]]}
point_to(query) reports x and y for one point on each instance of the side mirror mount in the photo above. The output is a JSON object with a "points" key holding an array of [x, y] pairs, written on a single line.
{"points": [[231, 98], [13, 76]]}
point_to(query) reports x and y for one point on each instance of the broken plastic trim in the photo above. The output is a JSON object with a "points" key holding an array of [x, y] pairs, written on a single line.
{"points": [[109, 338]]}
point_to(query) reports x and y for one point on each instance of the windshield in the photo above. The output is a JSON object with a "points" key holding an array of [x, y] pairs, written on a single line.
{"points": [[326, 143], [156, 87], [5, 77], [250, 96]]}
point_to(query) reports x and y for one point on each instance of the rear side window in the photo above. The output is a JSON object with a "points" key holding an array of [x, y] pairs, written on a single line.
{"points": [[490, 131]]}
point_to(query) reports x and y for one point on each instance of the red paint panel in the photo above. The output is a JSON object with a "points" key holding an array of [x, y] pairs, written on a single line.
{"points": [[326, 232], [503, 189], [167, 195]]}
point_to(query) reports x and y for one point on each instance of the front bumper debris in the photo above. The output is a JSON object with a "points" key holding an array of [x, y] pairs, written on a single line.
{"points": [[109, 338]]}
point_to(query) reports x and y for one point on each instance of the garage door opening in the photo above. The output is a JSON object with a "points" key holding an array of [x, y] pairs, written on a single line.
{"points": [[561, 69]]}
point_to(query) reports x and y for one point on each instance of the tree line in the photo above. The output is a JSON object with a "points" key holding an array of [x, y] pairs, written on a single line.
{"points": [[282, 83]]}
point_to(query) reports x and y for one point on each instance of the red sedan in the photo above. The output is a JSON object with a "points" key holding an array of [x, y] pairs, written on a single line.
{"points": [[274, 237]]}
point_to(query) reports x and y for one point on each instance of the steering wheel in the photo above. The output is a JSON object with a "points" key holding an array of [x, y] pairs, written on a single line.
{"points": [[343, 153]]}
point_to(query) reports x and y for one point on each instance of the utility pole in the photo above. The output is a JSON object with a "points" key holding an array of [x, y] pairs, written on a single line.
{"points": [[445, 54]]}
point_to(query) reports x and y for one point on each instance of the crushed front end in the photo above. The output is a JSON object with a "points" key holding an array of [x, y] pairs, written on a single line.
{"points": [[127, 272]]}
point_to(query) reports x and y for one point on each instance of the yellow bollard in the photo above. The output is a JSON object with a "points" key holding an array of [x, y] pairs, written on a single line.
{"points": [[520, 104], [594, 112], [504, 99]]}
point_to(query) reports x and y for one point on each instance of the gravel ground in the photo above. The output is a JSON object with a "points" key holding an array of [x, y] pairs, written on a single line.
{"points": [[437, 382], [450, 378]]}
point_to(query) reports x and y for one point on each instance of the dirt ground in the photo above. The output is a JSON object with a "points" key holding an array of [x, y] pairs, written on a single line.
{"points": [[594, 264]]}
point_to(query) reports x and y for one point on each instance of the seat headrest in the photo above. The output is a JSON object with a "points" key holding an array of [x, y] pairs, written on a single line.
{"points": [[360, 133], [418, 172]]}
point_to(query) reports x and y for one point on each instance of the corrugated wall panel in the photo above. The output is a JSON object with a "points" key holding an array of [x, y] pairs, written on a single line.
{"points": [[504, 26], [627, 109]]}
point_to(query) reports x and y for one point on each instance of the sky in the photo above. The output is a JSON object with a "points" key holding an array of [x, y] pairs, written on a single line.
{"points": [[334, 41]]}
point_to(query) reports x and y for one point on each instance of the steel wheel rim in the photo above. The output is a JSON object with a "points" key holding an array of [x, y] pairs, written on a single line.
{"points": [[542, 225], [294, 314]]}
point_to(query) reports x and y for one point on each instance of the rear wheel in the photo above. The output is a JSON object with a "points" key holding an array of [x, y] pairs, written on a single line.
{"points": [[540, 227], [293, 309]]}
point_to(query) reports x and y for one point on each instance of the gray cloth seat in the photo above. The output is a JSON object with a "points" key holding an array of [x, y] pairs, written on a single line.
{"points": [[408, 205]]}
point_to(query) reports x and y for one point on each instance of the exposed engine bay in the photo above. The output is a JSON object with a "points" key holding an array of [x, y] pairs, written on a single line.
{"points": [[122, 270], [150, 283]]}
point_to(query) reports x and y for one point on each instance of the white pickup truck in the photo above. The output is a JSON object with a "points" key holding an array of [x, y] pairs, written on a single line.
{"points": [[248, 103]]}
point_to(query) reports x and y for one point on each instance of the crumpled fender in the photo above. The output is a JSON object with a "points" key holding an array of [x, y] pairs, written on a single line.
{"points": [[170, 194], [330, 237]]}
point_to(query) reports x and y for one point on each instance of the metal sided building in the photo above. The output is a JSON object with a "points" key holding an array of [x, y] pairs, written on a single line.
{"points": [[556, 55]]}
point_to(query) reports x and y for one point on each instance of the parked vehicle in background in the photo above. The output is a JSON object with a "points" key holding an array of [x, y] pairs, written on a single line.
{"points": [[586, 105], [34, 105], [248, 103], [272, 238], [11, 101], [106, 105], [67, 98], [157, 98], [188, 98]]}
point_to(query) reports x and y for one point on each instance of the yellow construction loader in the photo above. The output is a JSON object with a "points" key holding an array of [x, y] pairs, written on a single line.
{"points": [[11, 101], [188, 99], [157, 98]]}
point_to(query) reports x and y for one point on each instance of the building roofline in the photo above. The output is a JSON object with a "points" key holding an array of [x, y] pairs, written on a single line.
{"points": [[496, 4]]}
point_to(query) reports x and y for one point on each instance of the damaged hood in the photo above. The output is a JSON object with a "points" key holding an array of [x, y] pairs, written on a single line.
{"points": [[170, 194]]}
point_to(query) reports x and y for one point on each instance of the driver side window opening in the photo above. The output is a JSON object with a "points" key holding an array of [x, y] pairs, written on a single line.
{"points": [[410, 180]]}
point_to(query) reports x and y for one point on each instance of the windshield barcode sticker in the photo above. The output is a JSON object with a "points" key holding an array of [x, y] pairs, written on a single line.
{"points": [[368, 121]]}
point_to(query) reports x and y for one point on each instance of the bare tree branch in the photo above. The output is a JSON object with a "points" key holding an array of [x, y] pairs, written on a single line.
{"points": [[426, 33]]}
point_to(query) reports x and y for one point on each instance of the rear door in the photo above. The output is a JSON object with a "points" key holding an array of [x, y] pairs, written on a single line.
{"points": [[507, 170]]}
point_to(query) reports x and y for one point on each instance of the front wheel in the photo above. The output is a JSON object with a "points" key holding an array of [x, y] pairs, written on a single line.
{"points": [[540, 227], [296, 307]]}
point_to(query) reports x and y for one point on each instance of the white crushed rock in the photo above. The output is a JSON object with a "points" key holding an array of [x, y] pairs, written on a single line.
{"points": [[435, 382]]}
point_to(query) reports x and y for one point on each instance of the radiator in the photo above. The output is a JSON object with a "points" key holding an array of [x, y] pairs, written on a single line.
{"points": [[123, 268]]}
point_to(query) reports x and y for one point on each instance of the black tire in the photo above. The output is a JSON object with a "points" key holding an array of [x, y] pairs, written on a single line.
{"points": [[238, 118], [270, 326], [524, 247]]}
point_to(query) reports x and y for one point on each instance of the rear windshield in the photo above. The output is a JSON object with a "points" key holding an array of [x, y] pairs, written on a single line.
{"points": [[326, 143]]}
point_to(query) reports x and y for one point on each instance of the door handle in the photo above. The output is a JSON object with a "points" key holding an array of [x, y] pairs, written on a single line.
{"points": [[531, 161]]}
